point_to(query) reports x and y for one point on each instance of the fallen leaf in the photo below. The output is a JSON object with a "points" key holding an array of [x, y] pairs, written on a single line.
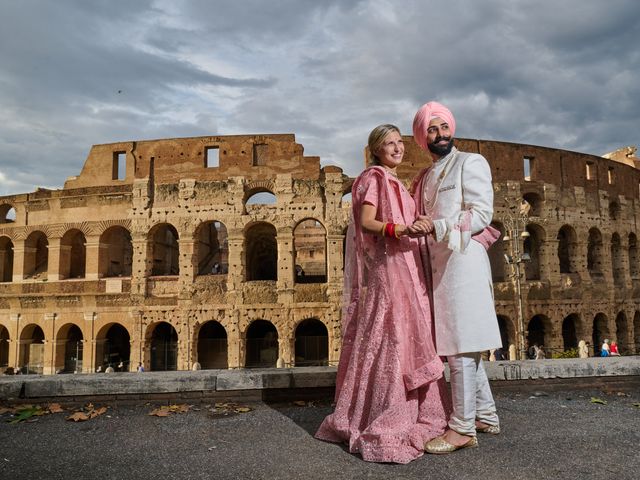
{"points": [[55, 408], [637, 405], [300, 403], [98, 411], [160, 412], [78, 417], [242, 409], [4, 410], [598, 400], [26, 412]]}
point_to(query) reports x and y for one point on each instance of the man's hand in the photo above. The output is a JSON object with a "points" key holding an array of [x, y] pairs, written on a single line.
{"points": [[422, 226]]}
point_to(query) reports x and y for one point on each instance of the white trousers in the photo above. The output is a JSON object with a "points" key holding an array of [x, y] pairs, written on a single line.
{"points": [[470, 394]]}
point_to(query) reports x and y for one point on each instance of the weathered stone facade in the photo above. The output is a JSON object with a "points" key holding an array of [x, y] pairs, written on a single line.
{"points": [[166, 253]]}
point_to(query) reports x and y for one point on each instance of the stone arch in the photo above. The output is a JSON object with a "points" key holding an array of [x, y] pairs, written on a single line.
{"points": [[261, 344], [261, 251], [535, 202], [163, 346], [617, 266], [4, 346], [116, 252], [260, 193], [69, 349], [212, 345], [6, 259], [212, 248], [622, 333], [497, 253], [310, 251], [634, 264], [595, 260], [507, 332], [532, 246], [571, 331], [567, 249], [164, 250], [600, 331], [311, 343], [539, 329], [31, 352], [7, 213], [36, 255], [113, 346], [73, 254]]}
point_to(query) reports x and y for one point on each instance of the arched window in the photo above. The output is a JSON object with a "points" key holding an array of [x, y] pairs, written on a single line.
{"points": [[594, 255], [261, 197], [212, 346], [164, 347], [6, 259], [532, 247], [570, 331], [600, 331], [622, 335], [567, 249], [7, 213], [36, 256], [537, 330], [69, 349], [116, 252], [496, 254], [614, 210], [535, 203], [212, 248], [507, 334], [261, 344], [113, 347], [261, 250], [4, 347], [310, 252], [31, 349], [616, 260], [312, 343], [165, 251], [73, 254], [634, 265]]}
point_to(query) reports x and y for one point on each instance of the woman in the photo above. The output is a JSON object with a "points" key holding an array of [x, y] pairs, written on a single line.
{"points": [[390, 392]]}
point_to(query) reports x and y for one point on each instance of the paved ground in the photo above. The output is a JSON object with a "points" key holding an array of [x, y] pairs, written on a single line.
{"points": [[547, 434]]}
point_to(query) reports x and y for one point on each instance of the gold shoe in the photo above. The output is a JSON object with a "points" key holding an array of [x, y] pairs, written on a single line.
{"points": [[440, 445], [492, 429]]}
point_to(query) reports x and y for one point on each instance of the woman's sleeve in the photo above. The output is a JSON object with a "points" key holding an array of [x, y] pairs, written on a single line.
{"points": [[368, 190], [477, 205]]}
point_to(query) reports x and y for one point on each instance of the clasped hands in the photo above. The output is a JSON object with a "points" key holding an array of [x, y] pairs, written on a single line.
{"points": [[422, 226]]}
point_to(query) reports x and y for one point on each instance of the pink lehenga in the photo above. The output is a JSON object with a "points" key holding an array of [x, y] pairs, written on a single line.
{"points": [[391, 396]]}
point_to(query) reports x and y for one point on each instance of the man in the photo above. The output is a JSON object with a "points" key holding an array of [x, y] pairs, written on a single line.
{"points": [[455, 197]]}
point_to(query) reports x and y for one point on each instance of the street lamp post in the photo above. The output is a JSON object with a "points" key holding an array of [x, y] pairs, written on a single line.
{"points": [[515, 222]]}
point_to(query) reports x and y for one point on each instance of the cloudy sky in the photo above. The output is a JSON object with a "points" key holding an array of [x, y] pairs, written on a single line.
{"points": [[74, 73]]}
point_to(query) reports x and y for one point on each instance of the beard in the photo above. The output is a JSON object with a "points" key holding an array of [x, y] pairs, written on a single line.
{"points": [[441, 150]]}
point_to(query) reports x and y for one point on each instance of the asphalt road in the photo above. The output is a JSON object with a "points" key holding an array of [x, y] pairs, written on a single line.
{"points": [[557, 434]]}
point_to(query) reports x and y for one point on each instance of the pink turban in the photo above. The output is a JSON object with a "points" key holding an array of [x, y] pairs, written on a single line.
{"points": [[428, 112]]}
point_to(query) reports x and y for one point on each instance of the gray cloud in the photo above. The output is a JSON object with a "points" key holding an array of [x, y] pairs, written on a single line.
{"points": [[77, 73]]}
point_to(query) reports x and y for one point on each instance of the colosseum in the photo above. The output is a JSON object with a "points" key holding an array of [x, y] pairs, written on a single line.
{"points": [[227, 252]]}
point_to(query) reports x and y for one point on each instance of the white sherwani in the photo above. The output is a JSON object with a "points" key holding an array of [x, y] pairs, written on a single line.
{"points": [[458, 195]]}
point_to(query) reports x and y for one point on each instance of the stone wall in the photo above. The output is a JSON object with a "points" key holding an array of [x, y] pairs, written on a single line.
{"points": [[181, 252]]}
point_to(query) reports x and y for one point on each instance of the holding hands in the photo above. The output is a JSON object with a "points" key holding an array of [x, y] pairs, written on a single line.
{"points": [[422, 226]]}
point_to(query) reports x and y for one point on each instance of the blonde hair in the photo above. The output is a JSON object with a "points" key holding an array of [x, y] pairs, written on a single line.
{"points": [[376, 139]]}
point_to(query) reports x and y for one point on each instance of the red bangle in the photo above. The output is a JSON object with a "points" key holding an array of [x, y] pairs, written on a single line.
{"points": [[389, 229]]}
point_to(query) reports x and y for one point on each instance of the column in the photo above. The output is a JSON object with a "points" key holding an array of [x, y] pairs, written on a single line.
{"points": [[92, 266]]}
